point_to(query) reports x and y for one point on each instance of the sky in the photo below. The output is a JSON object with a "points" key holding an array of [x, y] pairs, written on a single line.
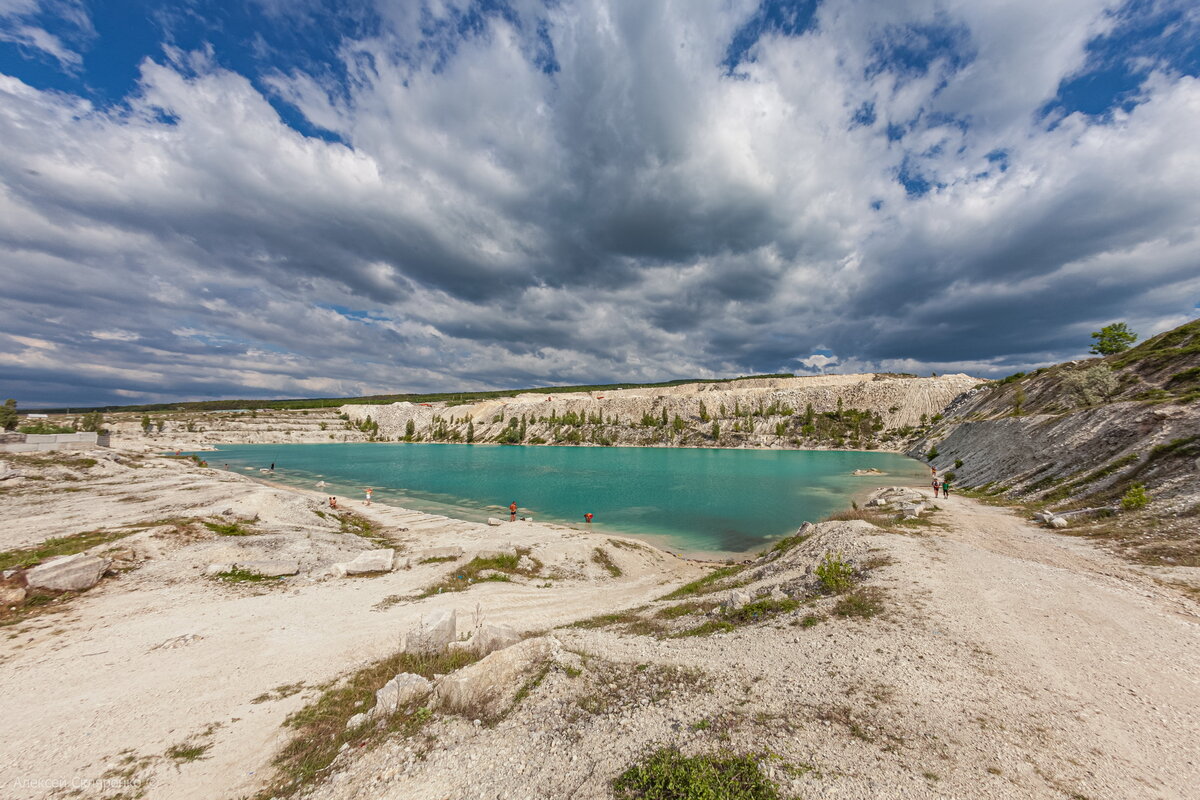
{"points": [[294, 198]]}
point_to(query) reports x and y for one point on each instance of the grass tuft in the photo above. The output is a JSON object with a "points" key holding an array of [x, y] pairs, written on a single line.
{"points": [[667, 774]]}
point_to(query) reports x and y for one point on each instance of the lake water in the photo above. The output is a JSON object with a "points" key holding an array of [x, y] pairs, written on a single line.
{"points": [[696, 500]]}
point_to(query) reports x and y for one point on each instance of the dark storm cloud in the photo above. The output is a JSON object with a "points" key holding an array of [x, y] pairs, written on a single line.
{"points": [[464, 195]]}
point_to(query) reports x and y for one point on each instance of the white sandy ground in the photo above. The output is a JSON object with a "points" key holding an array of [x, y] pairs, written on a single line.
{"points": [[1011, 662]]}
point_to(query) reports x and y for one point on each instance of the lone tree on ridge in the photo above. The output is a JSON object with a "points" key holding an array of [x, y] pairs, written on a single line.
{"points": [[1113, 338]]}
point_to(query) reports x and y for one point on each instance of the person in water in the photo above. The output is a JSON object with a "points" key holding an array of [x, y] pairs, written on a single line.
{"points": [[587, 517], [512, 511]]}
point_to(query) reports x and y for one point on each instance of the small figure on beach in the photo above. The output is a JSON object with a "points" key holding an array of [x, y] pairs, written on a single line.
{"points": [[272, 466], [333, 502], [512, 511], [945, 489], [368, 491], [937, 484], [587, 517]]}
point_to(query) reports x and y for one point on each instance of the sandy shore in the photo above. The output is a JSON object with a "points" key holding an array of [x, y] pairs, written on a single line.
{"points": [[1005, 661]]}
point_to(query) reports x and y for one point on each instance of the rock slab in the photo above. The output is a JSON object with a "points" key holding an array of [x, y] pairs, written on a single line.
{"points": [[371, 561], [398, 693], [435, 633], [68, 573]]}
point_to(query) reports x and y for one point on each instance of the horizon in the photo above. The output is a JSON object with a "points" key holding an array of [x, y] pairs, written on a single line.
{"points": [[315, 200]]}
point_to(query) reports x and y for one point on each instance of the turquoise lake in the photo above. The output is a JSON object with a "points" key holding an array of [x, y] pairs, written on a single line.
{"points": [[695, 500]]}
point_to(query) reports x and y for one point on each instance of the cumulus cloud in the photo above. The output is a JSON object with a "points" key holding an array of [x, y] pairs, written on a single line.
{"points": [[463, 197]]}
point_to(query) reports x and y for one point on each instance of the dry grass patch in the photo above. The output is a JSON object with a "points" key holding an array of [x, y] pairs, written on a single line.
{"points": [[714, 581], [60, 546], [497, 568], [600, 556]]}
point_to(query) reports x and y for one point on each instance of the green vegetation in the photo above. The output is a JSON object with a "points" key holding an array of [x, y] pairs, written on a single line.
{"points": [[498, 568], [188, 751], [836, 576], [8, 415], [1135, 498], [320, 727], [712, 582], [60, 546], [667, 774], [229, 528], [1112, 339], [601, 557], [239, 575], [865, 603], [43, 427]]}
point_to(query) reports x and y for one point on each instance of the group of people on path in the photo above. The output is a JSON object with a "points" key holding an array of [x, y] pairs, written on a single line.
{"points": [[940, 483]]}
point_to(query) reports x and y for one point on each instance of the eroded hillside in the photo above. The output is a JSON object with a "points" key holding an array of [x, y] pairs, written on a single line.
{"points": [[1085, 435]]}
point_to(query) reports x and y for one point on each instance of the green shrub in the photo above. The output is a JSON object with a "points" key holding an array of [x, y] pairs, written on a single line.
{"points": [[932, 454], [836, 576], [669, 775], [1135, 498]]}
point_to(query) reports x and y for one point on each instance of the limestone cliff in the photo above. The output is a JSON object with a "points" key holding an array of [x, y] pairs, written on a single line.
{"points": [[836, 411]]}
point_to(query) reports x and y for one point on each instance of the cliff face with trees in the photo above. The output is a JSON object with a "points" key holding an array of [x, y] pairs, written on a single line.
{"points": [[1120, 433], [830, 411]]}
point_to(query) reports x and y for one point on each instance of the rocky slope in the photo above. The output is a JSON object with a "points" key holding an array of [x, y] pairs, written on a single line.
{"points": [[855, 411], [1082, 434]]}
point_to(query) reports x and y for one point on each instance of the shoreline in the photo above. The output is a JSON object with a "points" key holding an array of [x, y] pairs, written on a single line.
{"points": [[854, 490]]}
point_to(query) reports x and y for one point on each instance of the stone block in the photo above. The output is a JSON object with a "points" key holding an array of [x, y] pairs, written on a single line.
{"points": [[371, 561], [68, 573], [736, 599], [497, 553], [491, 638], [398, 693], [435, 633]]}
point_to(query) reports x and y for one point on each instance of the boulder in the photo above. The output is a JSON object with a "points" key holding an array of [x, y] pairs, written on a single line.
{"points": [[371, 561], [736, 599], [495, 523], [270, 569], [807, 529], [491, 638], [435, 633], [68, 573], [487, 686], [1056, 522], [526, 564], [212, 570], [398, 693], [357, 721]]}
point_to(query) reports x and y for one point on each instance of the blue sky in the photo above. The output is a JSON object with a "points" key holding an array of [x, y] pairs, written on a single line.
{"points": [[263, 198]]}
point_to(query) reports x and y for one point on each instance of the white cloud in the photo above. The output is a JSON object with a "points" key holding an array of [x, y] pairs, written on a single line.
{"points": [[636, 214]]}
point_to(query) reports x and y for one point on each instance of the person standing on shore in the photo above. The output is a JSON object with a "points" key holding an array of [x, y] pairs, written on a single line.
{"points": [[512, 511], [937, 484], [368, 491]]}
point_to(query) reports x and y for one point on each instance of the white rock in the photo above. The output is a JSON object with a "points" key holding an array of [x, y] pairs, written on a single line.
{"points": [[371, 561], [778, 594], [489, 683], [494, 637], [736, 599], [435, 633], [526, 564], [495, 523], [212, 570], [68, 573], [358, 720], [398, 693], [1056, 522]]}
